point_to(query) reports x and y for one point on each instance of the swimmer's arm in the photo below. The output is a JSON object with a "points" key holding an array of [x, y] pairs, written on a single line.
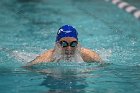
{"points": [[45, 57], [90, 56]]}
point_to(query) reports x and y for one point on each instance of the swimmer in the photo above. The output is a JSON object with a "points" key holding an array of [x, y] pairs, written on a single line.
{"points": [[67, 49]]}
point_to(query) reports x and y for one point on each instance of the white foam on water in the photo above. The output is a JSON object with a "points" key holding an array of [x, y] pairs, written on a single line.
{"points": [[105, 54], [23, 56]]}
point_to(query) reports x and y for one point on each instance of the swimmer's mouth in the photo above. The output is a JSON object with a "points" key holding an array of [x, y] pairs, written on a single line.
{"points": [[69, 53]]}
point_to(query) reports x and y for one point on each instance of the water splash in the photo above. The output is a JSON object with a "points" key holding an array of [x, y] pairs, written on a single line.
{"points": [[23, 56], [59, 56], [105, 54]]}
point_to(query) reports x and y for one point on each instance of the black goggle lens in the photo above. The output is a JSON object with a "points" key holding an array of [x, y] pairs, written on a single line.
{"points": [[65, 44]]}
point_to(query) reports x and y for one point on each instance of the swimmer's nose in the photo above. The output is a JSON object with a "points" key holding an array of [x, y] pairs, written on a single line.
{"points": [[69, 48]]}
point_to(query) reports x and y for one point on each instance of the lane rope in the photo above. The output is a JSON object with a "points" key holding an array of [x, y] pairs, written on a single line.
{"points": [[127, 7]]}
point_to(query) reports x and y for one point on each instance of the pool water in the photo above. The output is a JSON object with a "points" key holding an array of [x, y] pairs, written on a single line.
{"points": [[28, 28]]}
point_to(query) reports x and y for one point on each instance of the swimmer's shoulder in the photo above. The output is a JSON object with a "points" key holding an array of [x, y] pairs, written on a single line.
{"points": [[89, 55], [45, 57], [47, 53]]}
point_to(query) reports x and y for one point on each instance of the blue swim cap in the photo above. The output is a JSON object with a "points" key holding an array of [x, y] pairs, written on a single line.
{"points": [[66, 31]]}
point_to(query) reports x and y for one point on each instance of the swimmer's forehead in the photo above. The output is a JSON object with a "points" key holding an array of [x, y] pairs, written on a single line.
{"points": [[68, 39]]}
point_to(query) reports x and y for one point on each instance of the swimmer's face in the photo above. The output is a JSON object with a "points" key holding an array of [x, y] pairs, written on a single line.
{"points": [[68, 45]]}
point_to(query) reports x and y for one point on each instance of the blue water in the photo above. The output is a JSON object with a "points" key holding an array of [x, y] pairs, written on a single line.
{"points": [[28, 28]]}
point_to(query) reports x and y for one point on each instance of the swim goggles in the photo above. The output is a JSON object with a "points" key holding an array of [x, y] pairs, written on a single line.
{"points": [[66, 44]]}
